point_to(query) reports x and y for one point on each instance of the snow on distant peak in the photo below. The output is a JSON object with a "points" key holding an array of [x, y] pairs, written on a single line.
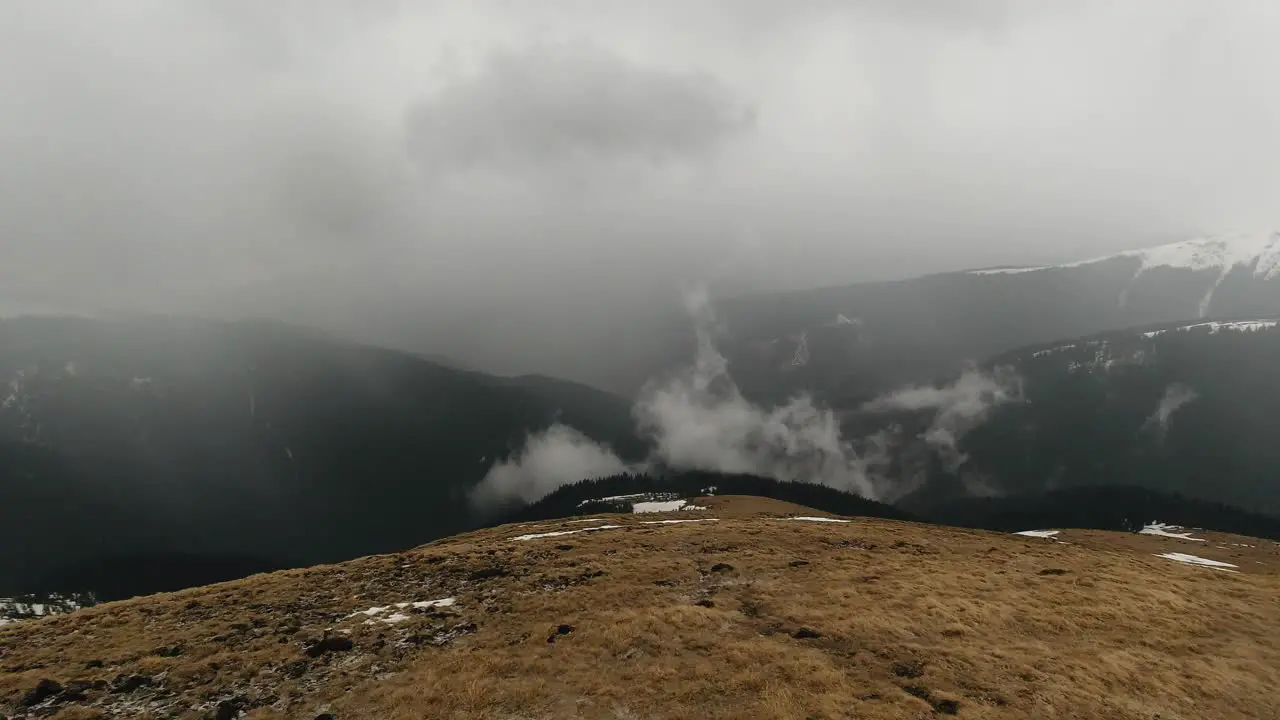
{"points": [[1217, 327], [1259, 251]]}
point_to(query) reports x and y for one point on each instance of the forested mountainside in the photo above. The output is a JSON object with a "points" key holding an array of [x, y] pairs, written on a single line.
{"points": [[857, 340], [132, 435], [1116, 507], [619, 492], [1186, 408]]}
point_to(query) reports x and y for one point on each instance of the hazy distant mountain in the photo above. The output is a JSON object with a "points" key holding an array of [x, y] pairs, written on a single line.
{"points": [[1187, 408], [127, 436], [868, 337]]}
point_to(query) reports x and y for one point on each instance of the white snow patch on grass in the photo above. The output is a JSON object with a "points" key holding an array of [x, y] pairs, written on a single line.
{"points": [[652, 507], [819, 519], [1038, 533], [673, 522], [426, 604], [1193, 560], [1164, 530], [562, 533], [612, 498], [379, 613], [693, 507], [586, 520]]}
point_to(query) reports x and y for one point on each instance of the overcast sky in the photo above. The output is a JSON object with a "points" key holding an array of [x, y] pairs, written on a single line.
{"points": [[157, 153]]}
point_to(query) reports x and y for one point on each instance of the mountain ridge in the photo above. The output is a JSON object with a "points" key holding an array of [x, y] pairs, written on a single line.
{"points": [[749, 608]]}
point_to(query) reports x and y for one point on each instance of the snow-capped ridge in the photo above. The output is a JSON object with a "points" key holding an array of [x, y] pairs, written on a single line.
{"points": [[1216, 327], [1259, 252]]}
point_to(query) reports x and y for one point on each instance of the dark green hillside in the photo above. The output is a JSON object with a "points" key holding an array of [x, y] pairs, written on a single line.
{"points": [[188, 436], [568, 499], [1093, 416], [1116, 508]]}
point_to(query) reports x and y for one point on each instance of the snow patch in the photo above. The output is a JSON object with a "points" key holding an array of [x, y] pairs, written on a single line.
{"points": [[1012, 270], [1258, 252], [1038, 533], [1164, 530], [1193, 560], [819, 519], [1050, 351], [612, 498], [667, 506], [380, 613], [673, 522], [562, 533], [1217, 327]]}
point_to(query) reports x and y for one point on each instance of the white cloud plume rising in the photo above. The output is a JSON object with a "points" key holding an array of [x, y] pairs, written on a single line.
{"points": [[1175, 396], [960, 407], [698, 419], [556, 456]]}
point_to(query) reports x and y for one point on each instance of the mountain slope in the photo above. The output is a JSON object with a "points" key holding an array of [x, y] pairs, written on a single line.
{"points": [[1186, 408], [132, 435], [750, 614], [862, 339]]}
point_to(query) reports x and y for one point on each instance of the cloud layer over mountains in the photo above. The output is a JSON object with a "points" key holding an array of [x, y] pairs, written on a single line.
{"points": [[166, 154]]}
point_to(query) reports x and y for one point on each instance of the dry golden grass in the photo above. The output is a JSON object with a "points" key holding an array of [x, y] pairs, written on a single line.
{"points": [[869, 619]]}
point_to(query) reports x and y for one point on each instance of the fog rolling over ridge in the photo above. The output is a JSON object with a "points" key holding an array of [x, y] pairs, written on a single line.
{"points": [[516, 186], [696, 418]]}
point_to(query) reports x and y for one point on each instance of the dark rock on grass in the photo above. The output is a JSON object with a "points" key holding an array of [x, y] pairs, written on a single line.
{"points": [[562, 630], [227, 710], [130, 683], [805, 633], [168, 652], [946, 707], [664, 583], [43, 690], [917, 691], [799, 563], [328, 644], [488, 573], [1053, 571], [721, 567], [705, 604], [940, 706], [911, 670], [564, 548], [71, 695], [92, 664], [326, 716]]}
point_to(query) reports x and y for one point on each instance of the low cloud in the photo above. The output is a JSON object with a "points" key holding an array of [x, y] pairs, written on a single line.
{"points": [[567, 103], [698, 419], [959, 407], [557, 456], [1175, 396]]}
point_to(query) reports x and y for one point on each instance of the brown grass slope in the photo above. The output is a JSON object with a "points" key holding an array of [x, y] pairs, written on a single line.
{"points": [[750, 615]]}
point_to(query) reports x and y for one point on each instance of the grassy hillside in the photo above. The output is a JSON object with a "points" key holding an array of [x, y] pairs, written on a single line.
{"points": [[743, 613]]}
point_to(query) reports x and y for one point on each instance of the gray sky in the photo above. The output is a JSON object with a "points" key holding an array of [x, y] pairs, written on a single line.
{"points": [[180, 153]]}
